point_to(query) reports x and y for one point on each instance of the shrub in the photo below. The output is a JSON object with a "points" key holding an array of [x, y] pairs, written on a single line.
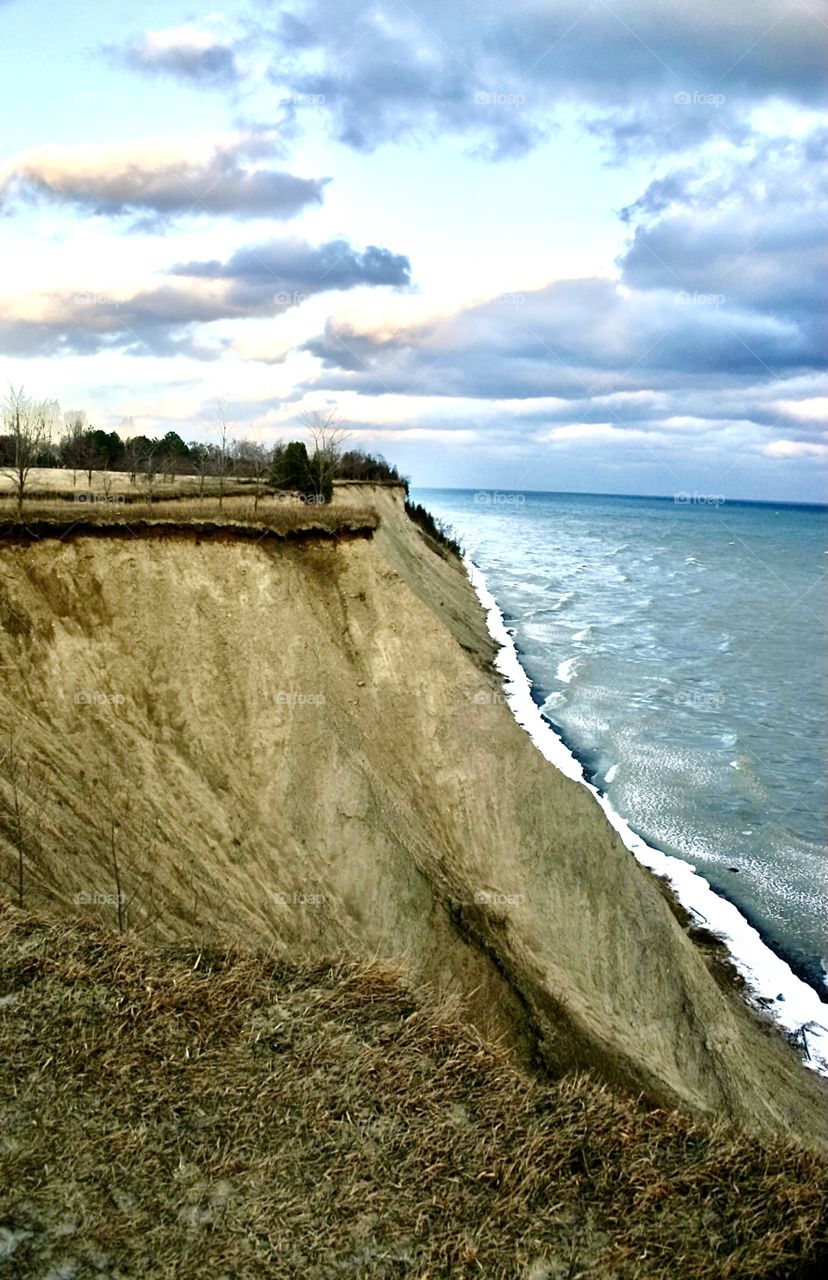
{"points": [[356, 464], [437, 530]]}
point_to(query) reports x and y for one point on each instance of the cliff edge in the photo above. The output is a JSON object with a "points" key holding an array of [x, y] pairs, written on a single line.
{"points": [[302, 745]]}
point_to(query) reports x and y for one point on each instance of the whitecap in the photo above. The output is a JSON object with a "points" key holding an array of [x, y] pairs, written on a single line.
{"points": [[566, 670]]}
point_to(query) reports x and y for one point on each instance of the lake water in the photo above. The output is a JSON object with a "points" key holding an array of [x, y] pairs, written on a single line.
{"points": [[679, 649]]}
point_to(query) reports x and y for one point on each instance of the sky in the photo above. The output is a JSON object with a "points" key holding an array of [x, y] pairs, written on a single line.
{"points": [[551, 244]]}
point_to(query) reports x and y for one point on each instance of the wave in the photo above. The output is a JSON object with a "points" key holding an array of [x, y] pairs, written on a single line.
{"points": [[566, 670], [770, 983]]}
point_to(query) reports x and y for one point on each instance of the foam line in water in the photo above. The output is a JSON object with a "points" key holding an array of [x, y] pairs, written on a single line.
{"points": [[767, 977], [566, 670]]}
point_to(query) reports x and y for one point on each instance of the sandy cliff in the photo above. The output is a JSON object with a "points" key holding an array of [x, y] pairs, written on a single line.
{"points": [[304, 746]]}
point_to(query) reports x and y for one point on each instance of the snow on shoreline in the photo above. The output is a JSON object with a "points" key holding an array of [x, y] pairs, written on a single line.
{"points": [[766, 975]]}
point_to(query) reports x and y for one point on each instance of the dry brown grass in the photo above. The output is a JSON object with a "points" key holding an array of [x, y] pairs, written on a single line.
{"points": [[285, 516], [212, 1114]]}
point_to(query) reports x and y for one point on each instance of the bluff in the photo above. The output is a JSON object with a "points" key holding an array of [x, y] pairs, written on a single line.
{"points": [[301, 745]]}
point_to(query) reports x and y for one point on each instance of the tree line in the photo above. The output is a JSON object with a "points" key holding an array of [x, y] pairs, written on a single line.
{"points": [[35, 434]]}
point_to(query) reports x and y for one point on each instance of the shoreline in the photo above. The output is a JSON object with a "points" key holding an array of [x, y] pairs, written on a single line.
{"points": [[810, 971], [767, 976]]}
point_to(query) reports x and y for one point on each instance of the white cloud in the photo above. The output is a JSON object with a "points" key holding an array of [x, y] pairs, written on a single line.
{"points": [[814, 409], [794, 449]]}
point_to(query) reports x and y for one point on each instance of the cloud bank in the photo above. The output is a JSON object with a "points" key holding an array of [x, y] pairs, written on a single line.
{"points": [[258, 281], [161, 178], [654, 75]]}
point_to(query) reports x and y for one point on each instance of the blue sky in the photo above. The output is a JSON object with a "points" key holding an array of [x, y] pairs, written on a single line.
{"points": [[559, 244]]}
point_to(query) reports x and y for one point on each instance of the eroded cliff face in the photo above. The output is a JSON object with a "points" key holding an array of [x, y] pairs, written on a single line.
{"points": [[303, 747]]}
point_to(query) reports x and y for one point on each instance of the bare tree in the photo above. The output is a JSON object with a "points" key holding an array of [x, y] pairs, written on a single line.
{"points": [[76, 424], [201, 462], [253, 459], [142, 457], [133, 453], [91, 458], [30, 424], [150, 463], [223, 460], [328, 434]]}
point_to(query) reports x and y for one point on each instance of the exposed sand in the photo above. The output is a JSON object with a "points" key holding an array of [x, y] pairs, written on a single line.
{"points": [[304, 746]]}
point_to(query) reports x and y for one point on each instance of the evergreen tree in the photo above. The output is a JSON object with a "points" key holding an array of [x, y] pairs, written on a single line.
{"points": [[293, 469]]}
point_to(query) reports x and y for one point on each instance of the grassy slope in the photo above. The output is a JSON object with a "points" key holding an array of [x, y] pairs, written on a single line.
{"points": [[220, 1114]]}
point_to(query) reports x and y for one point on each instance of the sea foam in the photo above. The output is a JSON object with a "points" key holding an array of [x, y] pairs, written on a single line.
{"points": [[771, 985]]}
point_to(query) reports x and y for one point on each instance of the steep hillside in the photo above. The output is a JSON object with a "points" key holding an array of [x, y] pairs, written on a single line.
{"points": [[302, 746], [219, 1115]]}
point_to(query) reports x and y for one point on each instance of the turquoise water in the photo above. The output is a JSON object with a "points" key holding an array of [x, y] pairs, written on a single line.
{"points": [[679, 649]]}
